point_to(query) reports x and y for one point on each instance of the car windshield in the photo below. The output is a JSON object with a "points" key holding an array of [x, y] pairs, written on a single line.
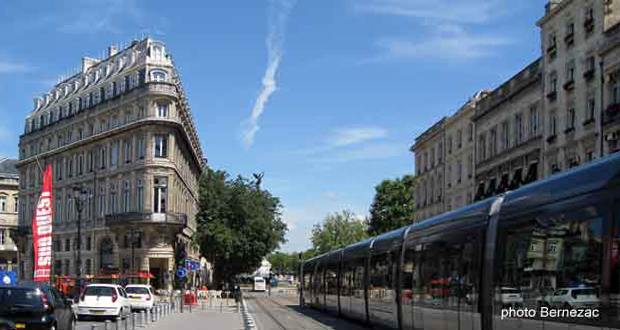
{"points": [[583, 292], [99, 291], [259, 280], [20, 297], [512, 291], [137, 290]]}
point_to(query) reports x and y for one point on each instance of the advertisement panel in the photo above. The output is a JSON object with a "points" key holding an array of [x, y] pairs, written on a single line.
{"points": [[42, 230]]}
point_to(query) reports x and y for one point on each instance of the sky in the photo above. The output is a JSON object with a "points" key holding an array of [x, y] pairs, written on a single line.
{"points": [[324, 96]]}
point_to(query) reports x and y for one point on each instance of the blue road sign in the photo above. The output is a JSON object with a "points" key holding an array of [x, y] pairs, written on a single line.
{"points": [[181, 272], [8, 278]]}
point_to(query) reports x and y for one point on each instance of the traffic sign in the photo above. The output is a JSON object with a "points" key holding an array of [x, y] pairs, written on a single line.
{"points": [[181, 272]]}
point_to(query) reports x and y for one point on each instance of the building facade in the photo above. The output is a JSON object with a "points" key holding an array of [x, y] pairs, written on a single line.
{"points": [[9, 204], [429, 160], [509, 134], [122, 130], [571, 34], [610, 61]]}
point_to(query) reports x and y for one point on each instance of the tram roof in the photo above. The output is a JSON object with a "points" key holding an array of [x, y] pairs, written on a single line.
{"points": [[580, 180], [386, 241]]}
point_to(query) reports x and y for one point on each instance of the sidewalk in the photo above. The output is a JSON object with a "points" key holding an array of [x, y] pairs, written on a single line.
{"points": [[201, 320]]}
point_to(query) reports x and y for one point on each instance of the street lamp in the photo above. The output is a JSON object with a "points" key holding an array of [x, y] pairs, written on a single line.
{"points": [[135, 239], [81, 195]]}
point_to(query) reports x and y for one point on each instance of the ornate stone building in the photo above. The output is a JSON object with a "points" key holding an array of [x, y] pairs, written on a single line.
{"points": [[121, 129], [429, 156], [610, 59], [509, 134], [9, 204], [571, 34]]}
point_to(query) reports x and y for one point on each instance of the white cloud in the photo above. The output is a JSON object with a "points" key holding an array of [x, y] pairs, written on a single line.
{"points": [[368, 152], [7, 66], [349, 136], [279, 12], [464, 11], [447, 46]]}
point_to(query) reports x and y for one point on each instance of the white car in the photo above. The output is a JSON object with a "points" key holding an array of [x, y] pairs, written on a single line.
{"points": [[577, 297], [109, 300], [509, 297], [140, 296]]}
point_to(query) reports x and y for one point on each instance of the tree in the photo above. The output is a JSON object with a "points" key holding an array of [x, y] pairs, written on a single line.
{"points": [[282, 262], [238, 224], [337, 230], [393, 205]]}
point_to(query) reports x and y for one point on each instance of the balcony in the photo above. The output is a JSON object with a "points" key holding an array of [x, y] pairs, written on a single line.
{"points": [[569, 130], [551, 138], [611, 113], [569, 39], [569, 85], [589, 25], [552, 96], [172, 218]]}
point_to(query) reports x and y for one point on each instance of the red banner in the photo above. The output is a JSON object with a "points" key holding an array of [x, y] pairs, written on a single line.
{"points": [[42, 230]]}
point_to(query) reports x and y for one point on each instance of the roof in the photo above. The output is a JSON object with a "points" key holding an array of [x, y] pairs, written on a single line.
{"points": [[7, 166]]}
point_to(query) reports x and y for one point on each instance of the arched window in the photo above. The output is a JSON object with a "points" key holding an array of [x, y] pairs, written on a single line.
{"points": [[158, 76]]}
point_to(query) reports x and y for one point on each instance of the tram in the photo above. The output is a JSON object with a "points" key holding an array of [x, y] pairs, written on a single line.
{"points": [[548, 249]]}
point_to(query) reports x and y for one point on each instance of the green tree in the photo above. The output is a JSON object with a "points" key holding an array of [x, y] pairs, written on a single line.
{"points": [[238, 224], [337, 230], [393, 205]]}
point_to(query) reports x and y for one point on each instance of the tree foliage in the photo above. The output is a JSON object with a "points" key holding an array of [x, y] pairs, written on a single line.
{"points": [[337, 230], [238, 224], [393, 205], [282, 262]]}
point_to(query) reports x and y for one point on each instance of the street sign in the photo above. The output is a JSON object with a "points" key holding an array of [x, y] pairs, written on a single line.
{"points": [[181, 272]]}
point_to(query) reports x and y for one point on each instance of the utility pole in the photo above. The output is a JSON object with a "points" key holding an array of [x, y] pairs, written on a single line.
{"points": [[80, 196]]}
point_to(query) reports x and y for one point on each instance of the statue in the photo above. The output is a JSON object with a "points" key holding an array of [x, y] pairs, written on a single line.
{"points": [[259, 178]]}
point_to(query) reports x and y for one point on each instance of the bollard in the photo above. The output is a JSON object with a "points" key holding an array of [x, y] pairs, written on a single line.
{"points": [[141, 319], [107, 325], [147, 315], [238, 308], [126, 323], [118, 323], [153, 315], [220, 305], [93, 327], [190, 308]]}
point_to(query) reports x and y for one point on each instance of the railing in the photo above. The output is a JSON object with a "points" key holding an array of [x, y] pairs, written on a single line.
{"points": [[172, 218]]}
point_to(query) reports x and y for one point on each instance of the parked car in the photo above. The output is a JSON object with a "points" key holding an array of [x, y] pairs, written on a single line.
{"points": [[140, 296], [35, 306], [106, 300], [576, 297], [509, 297]]}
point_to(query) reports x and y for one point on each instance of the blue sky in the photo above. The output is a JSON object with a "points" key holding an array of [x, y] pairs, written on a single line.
{"points": [[324, 96]]}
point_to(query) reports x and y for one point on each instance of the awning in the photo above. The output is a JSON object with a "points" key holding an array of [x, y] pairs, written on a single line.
{"points": [[532, 173], [480, 193], [491, 191], [517, 179], [503, 185]]}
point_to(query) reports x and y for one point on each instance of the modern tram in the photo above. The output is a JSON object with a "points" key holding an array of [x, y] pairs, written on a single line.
{"points": [[546, 252]]}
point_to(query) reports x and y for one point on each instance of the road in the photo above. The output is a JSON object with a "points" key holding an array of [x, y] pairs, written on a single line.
{"points": [[281, 311]]}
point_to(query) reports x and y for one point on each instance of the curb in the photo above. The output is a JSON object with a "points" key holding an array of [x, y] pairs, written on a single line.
{"points": [[248, 319]]}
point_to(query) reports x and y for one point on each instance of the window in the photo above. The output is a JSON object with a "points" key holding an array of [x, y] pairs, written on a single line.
{"points": [[15, 204], [615, 89], [493, 142], [69, 208], [505, 135], [140, 196], [127, 197], [590, 63], [543, 256], [70, 167], [570, 28], [553, 82], [89, 161], [141, 147], [114, 154], [161, 146], [127, 148], [2, 236], [533, 121], [102, 156], [89, 266], [59, 209], [518, 129], [80, 164], [449, 145], [570, 72], [459, 138], [459, 171], [432, 157], [158, 76], [113, 204], [2, 203], [482, 147], [570, 118], [160, 194], [553, 123], [67, 245], [162, 110], [101, 202]]}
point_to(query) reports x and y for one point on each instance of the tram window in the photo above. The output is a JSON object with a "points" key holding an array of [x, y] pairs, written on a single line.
{"points": [[379, 273], [331, 279], [358, 279], [541, 263]]}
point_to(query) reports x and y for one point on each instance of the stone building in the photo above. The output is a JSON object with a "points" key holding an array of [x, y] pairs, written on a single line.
{"points": [[9, 204], [571, 33], [610, 61], [459, 131], [429, 165], [122, 130], [509, 134]]}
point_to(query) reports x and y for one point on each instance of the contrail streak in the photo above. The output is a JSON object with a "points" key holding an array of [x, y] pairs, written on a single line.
{"points": [[279, 12]]}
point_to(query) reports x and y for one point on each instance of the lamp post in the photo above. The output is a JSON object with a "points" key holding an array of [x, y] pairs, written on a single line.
{"points": [[80, 198], [135, 236]]}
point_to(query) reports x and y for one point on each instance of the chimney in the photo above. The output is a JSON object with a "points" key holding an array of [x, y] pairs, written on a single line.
{"points": [[112, 50], [87, 63], [37, 103]]}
